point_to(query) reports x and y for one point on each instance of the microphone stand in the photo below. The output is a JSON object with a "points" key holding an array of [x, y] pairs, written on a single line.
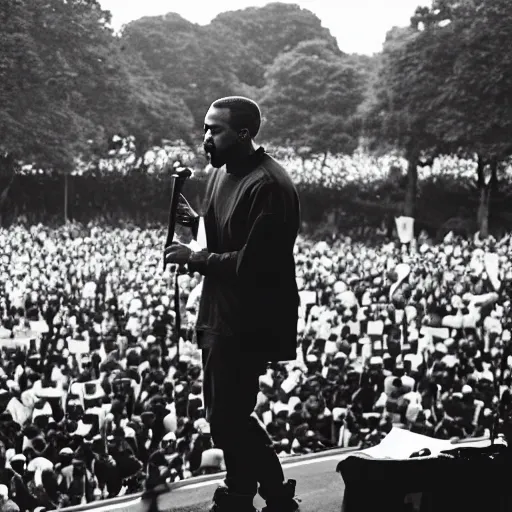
{"points": [[178, 179]]}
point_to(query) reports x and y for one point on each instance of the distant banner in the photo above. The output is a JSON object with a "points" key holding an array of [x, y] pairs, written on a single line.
{"points": [[355, 327], [50, 393], [14, 343], [78, 346], [436, 332], [375, 328], [39, 327], [307, 297], [307, 300], [405, 229]]}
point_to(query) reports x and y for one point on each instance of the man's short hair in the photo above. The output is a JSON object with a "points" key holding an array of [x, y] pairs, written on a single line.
{"points": [[244, 113]]}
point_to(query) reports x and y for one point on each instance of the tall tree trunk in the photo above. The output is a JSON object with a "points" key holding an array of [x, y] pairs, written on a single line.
{"points": [[412, 185], [483, 223], [303, 160], [66, 185], [480, 215], [324, 160], [485, 192], [4, 195], [5, 192], [140, 153], [493, 187], [7, 167]]}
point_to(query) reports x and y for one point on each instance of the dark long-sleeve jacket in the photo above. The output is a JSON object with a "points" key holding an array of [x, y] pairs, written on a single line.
{"points": [[250, 291]]}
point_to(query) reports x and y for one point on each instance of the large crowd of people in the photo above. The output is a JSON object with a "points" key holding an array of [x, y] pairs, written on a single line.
{"points": [[99, 398]]}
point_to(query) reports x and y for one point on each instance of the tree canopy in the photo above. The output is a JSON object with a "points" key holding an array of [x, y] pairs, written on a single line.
{"points": [[311, 96], [444, 86], [61, 86], [68, 84]]}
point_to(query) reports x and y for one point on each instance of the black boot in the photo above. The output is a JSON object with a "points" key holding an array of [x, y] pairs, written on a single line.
{"points": [[226, 501], [283, 500]]}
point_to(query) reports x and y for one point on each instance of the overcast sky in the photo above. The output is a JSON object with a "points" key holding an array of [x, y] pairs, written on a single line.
{"points": [[359, 25]]}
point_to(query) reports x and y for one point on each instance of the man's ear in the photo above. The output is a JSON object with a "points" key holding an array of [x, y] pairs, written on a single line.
{"points": [[244, 135]]}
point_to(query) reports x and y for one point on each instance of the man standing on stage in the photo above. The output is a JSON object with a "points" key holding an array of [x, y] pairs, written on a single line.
{"points": [[249, 305]]}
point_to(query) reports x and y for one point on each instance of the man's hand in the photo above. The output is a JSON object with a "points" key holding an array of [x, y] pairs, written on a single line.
{"points": [[185, 214], [177, 254]]}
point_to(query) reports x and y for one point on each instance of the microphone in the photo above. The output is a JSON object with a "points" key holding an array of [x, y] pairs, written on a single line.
{"points": [[178, 178]]}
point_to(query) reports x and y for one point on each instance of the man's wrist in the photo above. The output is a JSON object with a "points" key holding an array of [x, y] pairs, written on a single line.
{"points": [[198, 261]]}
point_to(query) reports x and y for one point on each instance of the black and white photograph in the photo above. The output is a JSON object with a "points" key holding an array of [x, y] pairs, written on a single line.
{"points": [[255, 256]]}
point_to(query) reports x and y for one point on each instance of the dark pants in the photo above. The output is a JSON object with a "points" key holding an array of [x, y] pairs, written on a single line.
{"points": [[230, 387]]}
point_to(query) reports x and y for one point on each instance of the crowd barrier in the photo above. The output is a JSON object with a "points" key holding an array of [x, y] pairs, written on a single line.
{"points": [[143, 501]]}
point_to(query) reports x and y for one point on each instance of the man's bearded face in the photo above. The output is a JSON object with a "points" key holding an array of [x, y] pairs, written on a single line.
{"points": [[220, 140]]}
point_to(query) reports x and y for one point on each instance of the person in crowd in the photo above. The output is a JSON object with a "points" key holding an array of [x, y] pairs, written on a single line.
{"points": [[6, 504]]}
